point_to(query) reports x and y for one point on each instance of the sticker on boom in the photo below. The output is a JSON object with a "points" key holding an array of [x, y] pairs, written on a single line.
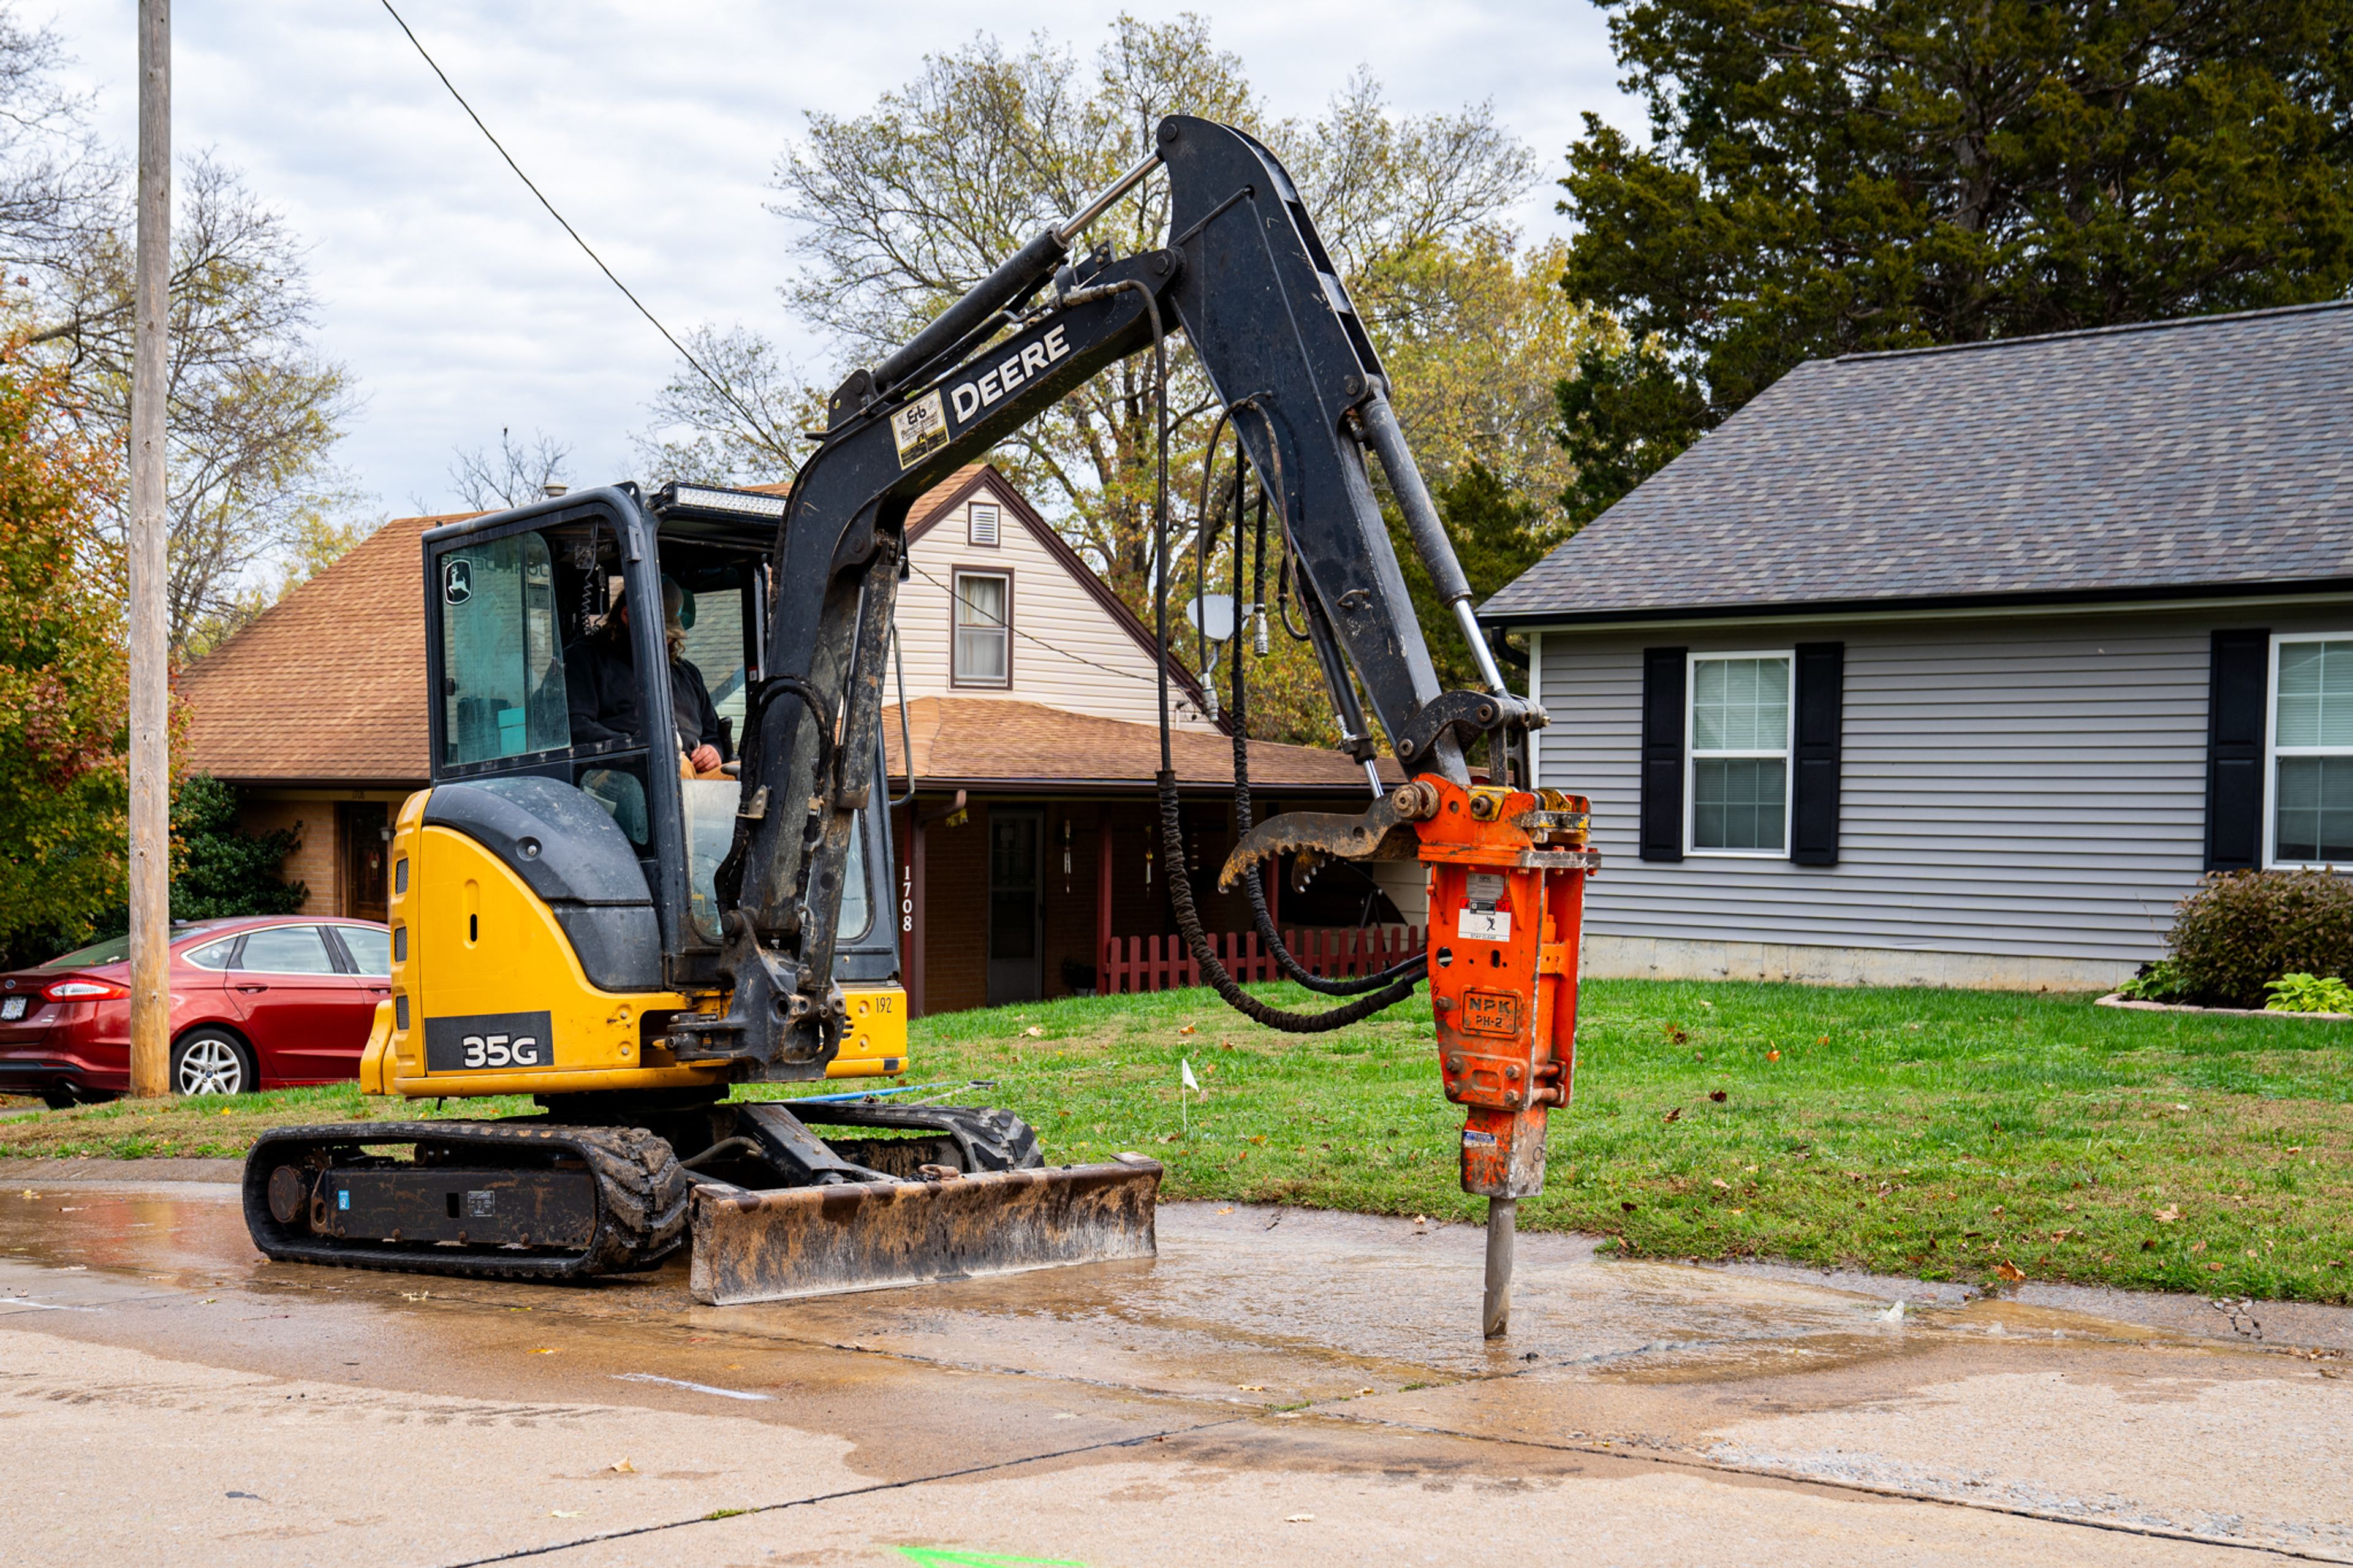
{"points": [[920, 429], [488, 1042]]}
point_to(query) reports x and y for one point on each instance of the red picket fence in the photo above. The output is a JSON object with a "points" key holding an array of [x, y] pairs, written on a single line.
{"points": [[1164, 963]]}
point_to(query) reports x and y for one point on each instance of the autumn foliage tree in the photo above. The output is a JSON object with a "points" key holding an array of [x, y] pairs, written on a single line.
{"points": [[63, 677]]}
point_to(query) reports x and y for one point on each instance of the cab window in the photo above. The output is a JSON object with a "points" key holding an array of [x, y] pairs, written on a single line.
{"points": [[502, 658]]}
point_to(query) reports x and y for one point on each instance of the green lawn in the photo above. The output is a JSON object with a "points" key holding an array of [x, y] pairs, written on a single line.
{"points": [[1949, 1134]]}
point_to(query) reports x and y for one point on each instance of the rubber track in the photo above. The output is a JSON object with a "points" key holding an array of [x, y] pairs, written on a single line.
{"points": [[641, 1198]]}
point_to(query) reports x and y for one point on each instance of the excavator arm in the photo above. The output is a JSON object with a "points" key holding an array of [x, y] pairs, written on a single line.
{"points": [[1246, 279]]}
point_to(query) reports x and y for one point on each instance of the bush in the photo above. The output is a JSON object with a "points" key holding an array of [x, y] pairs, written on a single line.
{"points": [[223, 869], [2157, 982], [2241, 929], [2308, 993]]}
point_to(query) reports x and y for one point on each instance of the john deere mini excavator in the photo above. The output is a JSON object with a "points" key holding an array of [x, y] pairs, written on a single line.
{"points": [[580, 917]]}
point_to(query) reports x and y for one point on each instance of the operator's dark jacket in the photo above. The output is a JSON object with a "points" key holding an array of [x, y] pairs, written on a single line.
{"points": [[600, 683]]}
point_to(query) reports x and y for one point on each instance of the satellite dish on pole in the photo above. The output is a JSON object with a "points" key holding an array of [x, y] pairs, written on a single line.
{"points": [[1212, 616]]}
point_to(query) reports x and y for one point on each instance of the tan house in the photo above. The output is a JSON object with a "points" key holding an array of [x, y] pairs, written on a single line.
{"points": [[1027, 844]]}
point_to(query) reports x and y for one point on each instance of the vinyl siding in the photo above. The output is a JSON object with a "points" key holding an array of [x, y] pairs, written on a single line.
{"points": [[2026, 787], [1068, 651]]}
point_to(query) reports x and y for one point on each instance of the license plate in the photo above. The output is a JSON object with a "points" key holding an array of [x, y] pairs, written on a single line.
{"points": [[13, 1006]]}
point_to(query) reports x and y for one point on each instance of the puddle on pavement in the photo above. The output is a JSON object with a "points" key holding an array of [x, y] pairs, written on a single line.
{"points": [[1370, 1322]]}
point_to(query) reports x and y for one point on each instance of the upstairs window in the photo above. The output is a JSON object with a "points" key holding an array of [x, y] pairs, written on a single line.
{"points": [[981, 524], [2312, 751], [983, 629], [1739, 752]]}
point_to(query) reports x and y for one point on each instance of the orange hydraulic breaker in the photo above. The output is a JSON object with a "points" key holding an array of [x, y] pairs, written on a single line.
{"points": [[1507, 872]]}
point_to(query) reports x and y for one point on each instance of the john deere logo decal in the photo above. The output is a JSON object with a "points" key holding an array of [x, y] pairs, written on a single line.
{"points": [[456, 580]]}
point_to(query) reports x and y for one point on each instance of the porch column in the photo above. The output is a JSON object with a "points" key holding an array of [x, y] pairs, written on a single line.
{"points": [[1102, 899]]}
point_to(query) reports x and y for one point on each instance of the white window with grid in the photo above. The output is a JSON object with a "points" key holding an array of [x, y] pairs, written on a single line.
{"points": [[2309, 772], [1737, 784], [984, 622], [981, 524]]}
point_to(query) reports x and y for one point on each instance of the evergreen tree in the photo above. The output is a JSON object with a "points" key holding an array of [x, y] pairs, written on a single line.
{"points": [[1829, 179]]}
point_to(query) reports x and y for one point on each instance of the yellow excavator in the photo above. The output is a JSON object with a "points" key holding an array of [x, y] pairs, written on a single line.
{"points": [[608, 913]]}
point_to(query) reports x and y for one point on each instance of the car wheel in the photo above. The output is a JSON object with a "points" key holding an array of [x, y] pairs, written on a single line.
{"points": [[211, 1061]]}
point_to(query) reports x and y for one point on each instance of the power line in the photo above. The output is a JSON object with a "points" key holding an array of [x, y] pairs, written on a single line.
{"points": [[716, 384]]}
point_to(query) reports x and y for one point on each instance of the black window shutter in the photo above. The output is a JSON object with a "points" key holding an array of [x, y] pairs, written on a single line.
{"points": [[2236, 683], [1663, 753], [1814, 769]]}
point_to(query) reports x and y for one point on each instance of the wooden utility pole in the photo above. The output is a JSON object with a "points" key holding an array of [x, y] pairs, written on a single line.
{"points": [[151, 761]]}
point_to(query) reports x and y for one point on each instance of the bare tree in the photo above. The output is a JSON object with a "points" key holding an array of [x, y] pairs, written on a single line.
{"points": [[253, 412], [57, 185], [903, 209], [518, 472], [746, 430]]}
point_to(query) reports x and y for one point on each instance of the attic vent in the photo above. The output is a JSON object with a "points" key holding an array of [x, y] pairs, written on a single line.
{"points": [[982, 521]]}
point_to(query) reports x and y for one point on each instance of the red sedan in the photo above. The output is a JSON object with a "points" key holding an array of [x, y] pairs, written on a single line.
{"points": [[260, 1002]]}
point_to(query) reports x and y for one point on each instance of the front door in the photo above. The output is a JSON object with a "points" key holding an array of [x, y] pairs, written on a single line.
{"points": [[360, 827], [1016, 907]]}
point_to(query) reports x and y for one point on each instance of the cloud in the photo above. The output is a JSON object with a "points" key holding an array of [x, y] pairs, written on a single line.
{"points": [[462, 308]]}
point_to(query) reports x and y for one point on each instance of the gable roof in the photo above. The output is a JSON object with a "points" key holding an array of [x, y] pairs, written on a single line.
{"points": [[326, 684], [2212, 455], [953, 492]]}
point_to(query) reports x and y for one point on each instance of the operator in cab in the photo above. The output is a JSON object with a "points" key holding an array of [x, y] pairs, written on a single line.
{"points": [[600, 680]]}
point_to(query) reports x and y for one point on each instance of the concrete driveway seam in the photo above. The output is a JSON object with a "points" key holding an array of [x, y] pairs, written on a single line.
{"points": [[843, 1493], [1647, 1451]]}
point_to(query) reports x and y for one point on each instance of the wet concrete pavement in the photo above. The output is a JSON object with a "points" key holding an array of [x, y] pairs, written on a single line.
{"points": [[1279, 1387]]}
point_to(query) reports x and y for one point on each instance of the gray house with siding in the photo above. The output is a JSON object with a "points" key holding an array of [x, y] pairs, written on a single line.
{"points": [[1961, 666]]}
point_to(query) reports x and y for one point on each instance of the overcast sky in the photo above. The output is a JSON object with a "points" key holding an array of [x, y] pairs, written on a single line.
{"points": [[459, 306]]}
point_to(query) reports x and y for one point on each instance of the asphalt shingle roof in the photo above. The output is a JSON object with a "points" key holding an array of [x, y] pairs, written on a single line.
{"points": [[2210, 453]]}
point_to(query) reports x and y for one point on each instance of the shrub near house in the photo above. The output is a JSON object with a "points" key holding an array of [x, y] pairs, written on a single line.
{"points": [[2243, 930]]}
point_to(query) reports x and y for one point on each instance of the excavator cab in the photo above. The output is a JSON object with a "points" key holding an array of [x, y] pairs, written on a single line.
{"points": [[542, 669]]}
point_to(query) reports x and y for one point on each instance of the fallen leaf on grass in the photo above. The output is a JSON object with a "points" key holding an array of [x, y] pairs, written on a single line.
{"points": [[2010, 1271], [1718, 1095], [1033, 1033], [1719, 1183], [1189, 1029], [2197, 1247], [2167, 1215], [2214, 1269], [1772, 1056], [1678, 1035], [1626, 1206], [1675, 1115]]}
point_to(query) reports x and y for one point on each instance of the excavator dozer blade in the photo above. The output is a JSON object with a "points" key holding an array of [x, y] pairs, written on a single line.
{"points": [[869, 1235]]}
